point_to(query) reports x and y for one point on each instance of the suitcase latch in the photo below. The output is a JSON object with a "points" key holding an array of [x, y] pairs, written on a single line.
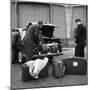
{"points": [[75, 64]]}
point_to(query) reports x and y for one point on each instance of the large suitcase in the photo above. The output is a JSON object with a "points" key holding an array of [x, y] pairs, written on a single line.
{"points": [[25, 76], [75, 65], [58, 68]]}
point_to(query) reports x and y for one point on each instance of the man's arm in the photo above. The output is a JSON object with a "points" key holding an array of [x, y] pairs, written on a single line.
{"points": [[36, 32], [75, 29], [78, 32]]}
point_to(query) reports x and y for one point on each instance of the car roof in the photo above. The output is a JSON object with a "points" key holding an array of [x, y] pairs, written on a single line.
{"points": [[19, 29], [50, 25], [46, 24]]}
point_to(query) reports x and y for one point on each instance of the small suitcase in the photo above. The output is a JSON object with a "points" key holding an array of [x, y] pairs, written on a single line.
{"points": [[58, 68], [25, 76], [75, 66]]}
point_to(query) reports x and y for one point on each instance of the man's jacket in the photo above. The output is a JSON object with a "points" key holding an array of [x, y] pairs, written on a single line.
{"points": [[80, 35]]}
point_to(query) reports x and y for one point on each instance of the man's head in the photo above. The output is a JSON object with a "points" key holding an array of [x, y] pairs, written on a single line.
{"points": [[78, 21], [40, 23]]}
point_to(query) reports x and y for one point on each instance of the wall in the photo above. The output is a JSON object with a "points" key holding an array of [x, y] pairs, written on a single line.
{"points": [[78, 12], [58, 15], [13, 16], [24, 12], [31, 13]]}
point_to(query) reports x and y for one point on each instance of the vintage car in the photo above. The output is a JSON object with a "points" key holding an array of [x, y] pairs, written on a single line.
{"points": [[49, 45]]}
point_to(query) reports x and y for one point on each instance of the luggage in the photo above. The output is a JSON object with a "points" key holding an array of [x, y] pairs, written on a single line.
{"points": [[25, 76], [75, 65], [58, 68]]}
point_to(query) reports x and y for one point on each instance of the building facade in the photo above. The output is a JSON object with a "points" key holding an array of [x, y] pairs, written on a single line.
{"points": [[62, 15]]}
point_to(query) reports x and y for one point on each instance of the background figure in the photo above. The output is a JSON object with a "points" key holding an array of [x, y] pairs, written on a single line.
{"points": [[31, 38], [80, 38]]}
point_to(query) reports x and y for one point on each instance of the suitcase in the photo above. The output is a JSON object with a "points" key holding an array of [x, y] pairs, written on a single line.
{"points": [[58, 68], [25, 76], [75, 66]]}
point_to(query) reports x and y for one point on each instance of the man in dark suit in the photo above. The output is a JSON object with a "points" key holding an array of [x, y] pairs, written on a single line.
{"points": [[80, 38], [31, 38]]}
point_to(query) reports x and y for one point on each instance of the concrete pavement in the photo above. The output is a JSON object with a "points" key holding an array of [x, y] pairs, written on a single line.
{"points": [[50, 81]]}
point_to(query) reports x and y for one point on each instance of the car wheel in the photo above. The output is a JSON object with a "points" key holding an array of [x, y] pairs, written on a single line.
{"points": [[20, 56]]}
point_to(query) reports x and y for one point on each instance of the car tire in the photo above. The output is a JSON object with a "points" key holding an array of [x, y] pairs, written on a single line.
{"points": [[21, 58]]}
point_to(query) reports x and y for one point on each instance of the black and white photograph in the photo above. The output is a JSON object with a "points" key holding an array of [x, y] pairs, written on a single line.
{"points": [[49, 44]]}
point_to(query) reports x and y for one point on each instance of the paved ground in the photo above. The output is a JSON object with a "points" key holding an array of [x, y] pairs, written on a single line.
{"points": [[50, 80]]}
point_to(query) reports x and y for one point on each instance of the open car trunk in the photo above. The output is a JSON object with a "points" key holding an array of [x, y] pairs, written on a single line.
{"points": [[47, 30], [50, 47], [51, 44]]}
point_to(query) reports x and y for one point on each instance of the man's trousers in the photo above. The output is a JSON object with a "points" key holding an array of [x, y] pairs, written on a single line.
{"points": [[79, 51]]}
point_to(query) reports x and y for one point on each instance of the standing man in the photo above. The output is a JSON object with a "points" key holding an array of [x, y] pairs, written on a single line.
{"points": [[80, 38], [31, 38]]}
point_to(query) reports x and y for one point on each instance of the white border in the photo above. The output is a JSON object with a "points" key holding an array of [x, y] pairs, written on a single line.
{"points": [[5, 44]]}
